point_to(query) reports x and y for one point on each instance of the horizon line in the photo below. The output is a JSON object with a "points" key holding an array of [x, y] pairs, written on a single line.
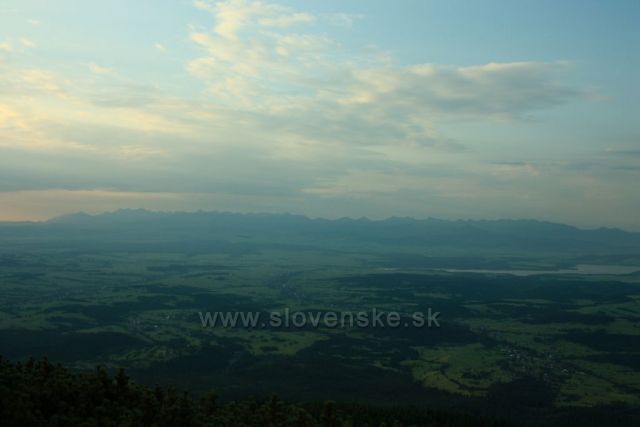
{"points": [[285, 213]]}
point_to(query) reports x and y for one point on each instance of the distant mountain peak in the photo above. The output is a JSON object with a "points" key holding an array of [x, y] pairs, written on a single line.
{"points": [[502, 225], [71, 218]]}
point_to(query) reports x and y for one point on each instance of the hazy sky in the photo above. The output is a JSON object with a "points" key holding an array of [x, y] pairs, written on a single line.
{"points": [[452, 109]]}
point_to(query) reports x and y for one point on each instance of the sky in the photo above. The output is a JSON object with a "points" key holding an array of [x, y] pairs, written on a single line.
{"points": [[423, 108]]}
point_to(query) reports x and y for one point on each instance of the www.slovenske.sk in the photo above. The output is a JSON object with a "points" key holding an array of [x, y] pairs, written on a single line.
{"points": [[329, 319]]}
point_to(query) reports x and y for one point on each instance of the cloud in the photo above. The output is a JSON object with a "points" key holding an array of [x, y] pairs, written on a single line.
{"points": [[235, 16], [275, 114], [97, 69], [30, 205], [345, 20], [131, 95], [290, 88], [9, 117], [27, 43], [511, 170], [274, 69], [38, 79], [624, 152], [303, 84], [286, 20], [494, 90]]}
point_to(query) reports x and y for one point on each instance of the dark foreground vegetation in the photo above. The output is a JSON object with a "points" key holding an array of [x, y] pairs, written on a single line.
{"points": [[39, 393]]}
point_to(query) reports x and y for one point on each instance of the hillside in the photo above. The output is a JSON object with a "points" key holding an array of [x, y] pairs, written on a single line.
{"points": [[39, 393]]}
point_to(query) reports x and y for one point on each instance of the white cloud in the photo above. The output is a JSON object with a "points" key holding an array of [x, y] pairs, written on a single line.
{"points": [[346, 20], [305, 83], [37, 79], [494, 90], [286, 20], [235, 16], [29, 44], [97, 69], [287, 117], [511, 170]]}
